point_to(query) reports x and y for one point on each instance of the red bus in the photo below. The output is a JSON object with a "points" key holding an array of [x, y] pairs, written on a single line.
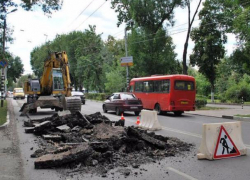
{"points": [[166, 93]]}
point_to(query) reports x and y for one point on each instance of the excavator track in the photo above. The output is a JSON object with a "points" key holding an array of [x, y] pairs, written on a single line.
{"points": [[73, 104]]}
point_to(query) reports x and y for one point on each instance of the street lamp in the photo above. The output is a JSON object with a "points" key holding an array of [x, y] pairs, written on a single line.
{"points": [[4, 70], [126, 48], [46, 37]]}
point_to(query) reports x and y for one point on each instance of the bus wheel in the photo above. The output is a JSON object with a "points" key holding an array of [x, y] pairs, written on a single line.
{"points": [[158, 109], [178, 113], [104, 109]]}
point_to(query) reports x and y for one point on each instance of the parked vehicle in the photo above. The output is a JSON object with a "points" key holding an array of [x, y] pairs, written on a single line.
{"points": [[18, 93], [9, 94], [78, 94], [174, 93], [122, 101]]}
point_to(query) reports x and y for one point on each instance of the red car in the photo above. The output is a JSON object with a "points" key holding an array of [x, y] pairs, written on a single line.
{"points": [[122, 101]]}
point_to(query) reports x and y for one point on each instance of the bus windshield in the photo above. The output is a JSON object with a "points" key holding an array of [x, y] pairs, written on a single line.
{"points": [[184, 85]]}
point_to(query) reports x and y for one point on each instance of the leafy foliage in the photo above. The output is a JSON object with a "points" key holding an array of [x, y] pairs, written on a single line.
{"points": [[115, 81], [153, 56], [46, 5], [149, 14], [209, 42], [239, 90]]}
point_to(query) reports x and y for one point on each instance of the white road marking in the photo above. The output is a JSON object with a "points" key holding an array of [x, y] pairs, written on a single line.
{"points": [[181, 173], [182, 132]]}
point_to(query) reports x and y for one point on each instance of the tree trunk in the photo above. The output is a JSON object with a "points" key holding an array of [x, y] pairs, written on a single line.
{"points": [[190, 23], [212, 93], [184, 62]]}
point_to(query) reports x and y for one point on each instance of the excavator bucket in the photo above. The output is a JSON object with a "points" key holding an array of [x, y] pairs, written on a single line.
{"points": [[73, 104]]}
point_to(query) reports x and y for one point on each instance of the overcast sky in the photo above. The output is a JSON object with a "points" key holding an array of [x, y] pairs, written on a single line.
{"points": [[32, 29]]}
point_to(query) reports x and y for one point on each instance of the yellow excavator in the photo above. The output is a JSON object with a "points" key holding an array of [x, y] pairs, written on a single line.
{"points": [[53, 90]]}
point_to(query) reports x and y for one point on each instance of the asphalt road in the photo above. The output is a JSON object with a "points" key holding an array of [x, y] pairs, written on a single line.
{"points": [[188, 128]]}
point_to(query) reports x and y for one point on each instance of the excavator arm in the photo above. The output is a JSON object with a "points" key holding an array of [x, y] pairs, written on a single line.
{"points": [[54, 89]]}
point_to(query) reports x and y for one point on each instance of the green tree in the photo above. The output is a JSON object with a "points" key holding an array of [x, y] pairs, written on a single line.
{"points": [[209, 40], [115, 75], [20, 82], [149, 14], [37, 58], [14, 68], [115, 81], [90, 59], [152, 56], [46, 5]]}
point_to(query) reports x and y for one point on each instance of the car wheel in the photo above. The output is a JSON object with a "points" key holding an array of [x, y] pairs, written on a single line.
{"points": [[83, 102], [158, 109], [117, 111], [104, 109], [137, 113], [178, 113]]}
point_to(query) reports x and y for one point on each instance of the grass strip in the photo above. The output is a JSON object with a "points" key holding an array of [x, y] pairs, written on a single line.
{"points": [[243, 115], [3, 113], [211, 108]]}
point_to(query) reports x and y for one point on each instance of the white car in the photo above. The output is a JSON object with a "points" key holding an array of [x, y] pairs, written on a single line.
{"points": [[78, 94]]}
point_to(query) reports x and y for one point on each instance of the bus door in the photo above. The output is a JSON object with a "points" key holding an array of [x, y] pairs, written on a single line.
{"points": [[146, 95], [139, 92], [162, 90], [150, 96]]}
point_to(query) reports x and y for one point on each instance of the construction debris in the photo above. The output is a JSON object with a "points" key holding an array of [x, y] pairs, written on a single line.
{"points": [[95, 141]]}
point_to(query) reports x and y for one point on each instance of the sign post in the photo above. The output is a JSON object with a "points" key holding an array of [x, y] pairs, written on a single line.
{"points": [[126, 62]]}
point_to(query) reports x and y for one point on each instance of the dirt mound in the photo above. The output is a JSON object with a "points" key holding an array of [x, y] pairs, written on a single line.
{"points": [[93, 143]]}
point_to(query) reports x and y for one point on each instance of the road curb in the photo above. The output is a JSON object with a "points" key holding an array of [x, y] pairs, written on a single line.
{"points": [[246, 119], [7, 121]]}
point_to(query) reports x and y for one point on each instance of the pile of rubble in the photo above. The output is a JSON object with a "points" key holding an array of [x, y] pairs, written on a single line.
{"points": [[77, 140]]}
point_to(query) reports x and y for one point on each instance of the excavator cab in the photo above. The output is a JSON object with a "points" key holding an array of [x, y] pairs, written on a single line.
{"points": [[58, 84]]}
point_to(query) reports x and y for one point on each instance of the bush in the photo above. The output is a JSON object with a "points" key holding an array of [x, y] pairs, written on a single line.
{"points": [[200, 102], [222, 99], [96, 96], [236, 92]]}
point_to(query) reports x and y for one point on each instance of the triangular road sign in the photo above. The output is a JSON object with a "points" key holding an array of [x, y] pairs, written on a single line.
{"points": [[225, 147]]}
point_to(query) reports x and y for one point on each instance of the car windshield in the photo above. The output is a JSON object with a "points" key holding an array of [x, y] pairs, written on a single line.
{"points": [[75, 93], [19, 90], [128, 96]]}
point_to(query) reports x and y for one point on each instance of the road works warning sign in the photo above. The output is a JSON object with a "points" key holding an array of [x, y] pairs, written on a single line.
{"points": [[225, 146]]}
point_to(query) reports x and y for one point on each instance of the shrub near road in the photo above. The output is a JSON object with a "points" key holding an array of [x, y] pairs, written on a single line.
{"points": [[3, 113]]}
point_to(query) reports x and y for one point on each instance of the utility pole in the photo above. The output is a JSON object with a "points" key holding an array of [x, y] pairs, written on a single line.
{"points": [[126, 50], [4, 69], [126, 54]]}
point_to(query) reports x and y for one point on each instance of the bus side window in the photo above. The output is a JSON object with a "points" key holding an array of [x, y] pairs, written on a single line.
{"points": [[131, 88], [145, 86], [150, 86], [138, 86], [157, 86], [165, 86]]}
